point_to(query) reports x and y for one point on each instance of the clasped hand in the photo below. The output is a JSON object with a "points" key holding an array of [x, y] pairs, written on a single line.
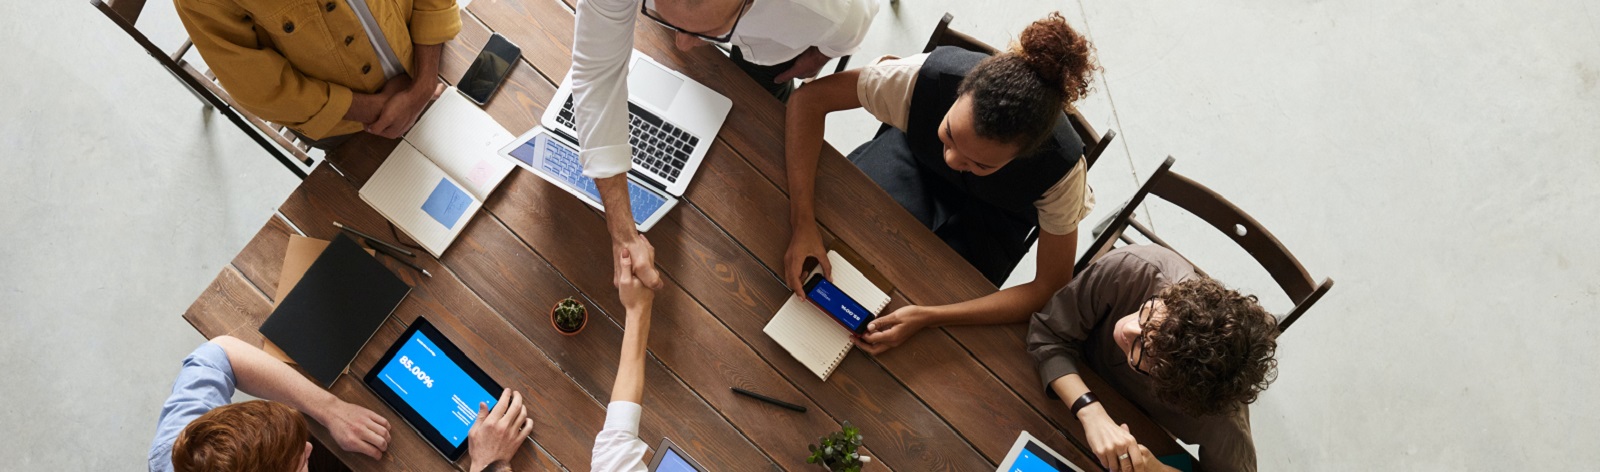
{"points": [[403, 101]]}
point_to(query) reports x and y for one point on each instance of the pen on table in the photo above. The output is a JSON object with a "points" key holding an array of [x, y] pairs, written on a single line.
{"points": [[376, 240], [768, 399], [396, 257]]}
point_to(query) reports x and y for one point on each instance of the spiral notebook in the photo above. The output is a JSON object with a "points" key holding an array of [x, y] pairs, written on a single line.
{"points": [[441, 173], [809, 334]]}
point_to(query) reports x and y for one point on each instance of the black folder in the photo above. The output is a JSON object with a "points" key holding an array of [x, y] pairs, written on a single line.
{"points": [[337, 306]]}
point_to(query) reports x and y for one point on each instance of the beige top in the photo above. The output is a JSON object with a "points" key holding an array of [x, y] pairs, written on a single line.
{"points": [[884, 89]]}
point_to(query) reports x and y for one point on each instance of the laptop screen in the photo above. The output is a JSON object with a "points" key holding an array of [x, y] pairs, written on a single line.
{"points": [[559, 161]]}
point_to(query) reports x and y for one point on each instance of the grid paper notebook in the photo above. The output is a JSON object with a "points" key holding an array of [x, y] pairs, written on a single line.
{"points": [[441, 172], [811, 335]]}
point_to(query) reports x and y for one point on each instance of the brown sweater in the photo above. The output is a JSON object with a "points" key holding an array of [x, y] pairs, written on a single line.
{"points": [[1074, 332]]}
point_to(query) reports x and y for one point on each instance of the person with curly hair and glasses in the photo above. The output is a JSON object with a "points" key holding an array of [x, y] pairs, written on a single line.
{"points": [[1190, 352]]}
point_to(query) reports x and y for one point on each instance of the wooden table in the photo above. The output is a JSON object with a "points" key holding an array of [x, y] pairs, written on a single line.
{"points": [[949, 399]]}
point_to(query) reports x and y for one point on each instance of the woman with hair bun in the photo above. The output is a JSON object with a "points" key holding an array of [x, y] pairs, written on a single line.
{"points": [[977, 148]]}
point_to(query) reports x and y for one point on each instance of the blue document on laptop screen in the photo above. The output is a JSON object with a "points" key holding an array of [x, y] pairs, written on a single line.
{"points": [[435, 387], [561, 161]]}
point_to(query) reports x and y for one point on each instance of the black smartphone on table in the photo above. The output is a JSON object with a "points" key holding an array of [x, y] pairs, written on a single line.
{"points": [[844, 310], [489, 70]]}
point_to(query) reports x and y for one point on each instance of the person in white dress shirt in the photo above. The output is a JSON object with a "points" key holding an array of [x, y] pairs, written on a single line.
{"points": [[618, 448], [765, 34]]}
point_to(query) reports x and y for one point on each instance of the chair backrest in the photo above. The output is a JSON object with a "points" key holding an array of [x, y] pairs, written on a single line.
{"points": [[1094, 143], [125, 13], [1210, 207]]}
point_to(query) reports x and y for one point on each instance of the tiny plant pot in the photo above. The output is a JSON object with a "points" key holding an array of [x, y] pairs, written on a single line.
{"points": [[569, 316]]}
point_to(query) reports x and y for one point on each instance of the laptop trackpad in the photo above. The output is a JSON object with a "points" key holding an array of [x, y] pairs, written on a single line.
{"points": [[653, 85]]}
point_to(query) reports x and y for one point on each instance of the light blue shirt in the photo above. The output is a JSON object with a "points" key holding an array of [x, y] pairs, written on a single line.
{"points": [[205, 382]]}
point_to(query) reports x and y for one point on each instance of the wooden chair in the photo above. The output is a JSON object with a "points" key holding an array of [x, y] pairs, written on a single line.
{"points": [[1094, 143], [1249, 234], [205, 88]]}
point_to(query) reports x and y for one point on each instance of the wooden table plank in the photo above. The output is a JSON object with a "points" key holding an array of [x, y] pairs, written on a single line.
{"points": [[260, 260]]}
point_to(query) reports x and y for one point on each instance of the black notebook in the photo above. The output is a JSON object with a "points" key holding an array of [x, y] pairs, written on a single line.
{"points": [[334, 310]]}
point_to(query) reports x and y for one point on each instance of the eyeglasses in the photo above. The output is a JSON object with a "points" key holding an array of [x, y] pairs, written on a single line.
{"points": [[1136, 355], [644, 7]]}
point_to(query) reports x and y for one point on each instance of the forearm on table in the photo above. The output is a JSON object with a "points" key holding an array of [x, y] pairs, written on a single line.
{"points": [[618, 207], [1011, 305], [629, 386], [266, 377]]}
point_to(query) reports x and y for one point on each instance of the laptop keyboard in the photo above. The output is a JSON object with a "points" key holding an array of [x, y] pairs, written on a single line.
{"points": [[657, 144]]}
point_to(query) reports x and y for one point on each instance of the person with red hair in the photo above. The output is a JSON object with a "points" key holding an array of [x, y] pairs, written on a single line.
{"points": [[202, 430]]}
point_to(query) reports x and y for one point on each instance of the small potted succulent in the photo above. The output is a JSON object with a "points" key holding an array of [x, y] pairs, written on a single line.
{"points": [[837, 450], [569, 316]]}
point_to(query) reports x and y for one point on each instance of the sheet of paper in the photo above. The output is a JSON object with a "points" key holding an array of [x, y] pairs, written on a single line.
{"points": [[809, 335], [419, 198], [446, 203], [464, 141]]}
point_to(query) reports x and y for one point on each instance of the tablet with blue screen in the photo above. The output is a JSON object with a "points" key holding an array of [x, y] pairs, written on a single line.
{"points": [[433, 385], [670, 458], [1030, 455]]}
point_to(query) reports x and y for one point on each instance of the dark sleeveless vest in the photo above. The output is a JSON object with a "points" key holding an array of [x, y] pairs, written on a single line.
{"points": [[1012, 189]]}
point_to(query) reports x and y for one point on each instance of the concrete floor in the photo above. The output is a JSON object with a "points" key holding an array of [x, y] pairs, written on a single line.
{"points": [[1436, 159]]}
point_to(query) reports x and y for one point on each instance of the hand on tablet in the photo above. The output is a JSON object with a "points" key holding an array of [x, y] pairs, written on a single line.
{"points": [[357, 429], [497, 433]]}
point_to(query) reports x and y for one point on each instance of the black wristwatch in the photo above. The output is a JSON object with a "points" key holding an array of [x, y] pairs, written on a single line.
{"points": [[1083, 401]]}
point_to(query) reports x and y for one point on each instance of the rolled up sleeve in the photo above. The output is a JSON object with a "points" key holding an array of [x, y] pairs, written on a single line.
{"points": [[434, 21], [258, 78], [618, 448], [601, 46], [1056, 335], [1066, 203]]}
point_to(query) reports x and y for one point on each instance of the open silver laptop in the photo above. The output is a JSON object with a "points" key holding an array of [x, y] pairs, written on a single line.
{"points": [[672, 121]]}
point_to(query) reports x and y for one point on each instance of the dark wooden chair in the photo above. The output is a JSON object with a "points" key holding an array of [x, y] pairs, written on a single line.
{"points": [[1201, 202], [275, 139], [1094, 143]]}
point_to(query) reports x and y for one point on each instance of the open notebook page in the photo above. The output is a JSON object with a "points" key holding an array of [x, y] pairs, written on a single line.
{"points": [[811, 335], [420, 199], [464, 141]]}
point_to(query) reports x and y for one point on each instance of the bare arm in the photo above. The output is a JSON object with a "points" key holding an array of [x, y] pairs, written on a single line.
{"points": [[637, 300], [807, 114], [356, 429], [1012, 305]]}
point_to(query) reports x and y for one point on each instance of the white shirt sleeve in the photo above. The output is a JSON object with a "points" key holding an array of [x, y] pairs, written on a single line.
{"points": [[617, 448], [601, 46]]}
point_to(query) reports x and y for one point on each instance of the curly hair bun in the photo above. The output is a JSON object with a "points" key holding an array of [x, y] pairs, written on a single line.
{"points": [[1059, 55]]}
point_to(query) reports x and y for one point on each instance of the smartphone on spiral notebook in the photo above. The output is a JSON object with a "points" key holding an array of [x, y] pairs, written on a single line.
{"points": [[844, 310]]}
